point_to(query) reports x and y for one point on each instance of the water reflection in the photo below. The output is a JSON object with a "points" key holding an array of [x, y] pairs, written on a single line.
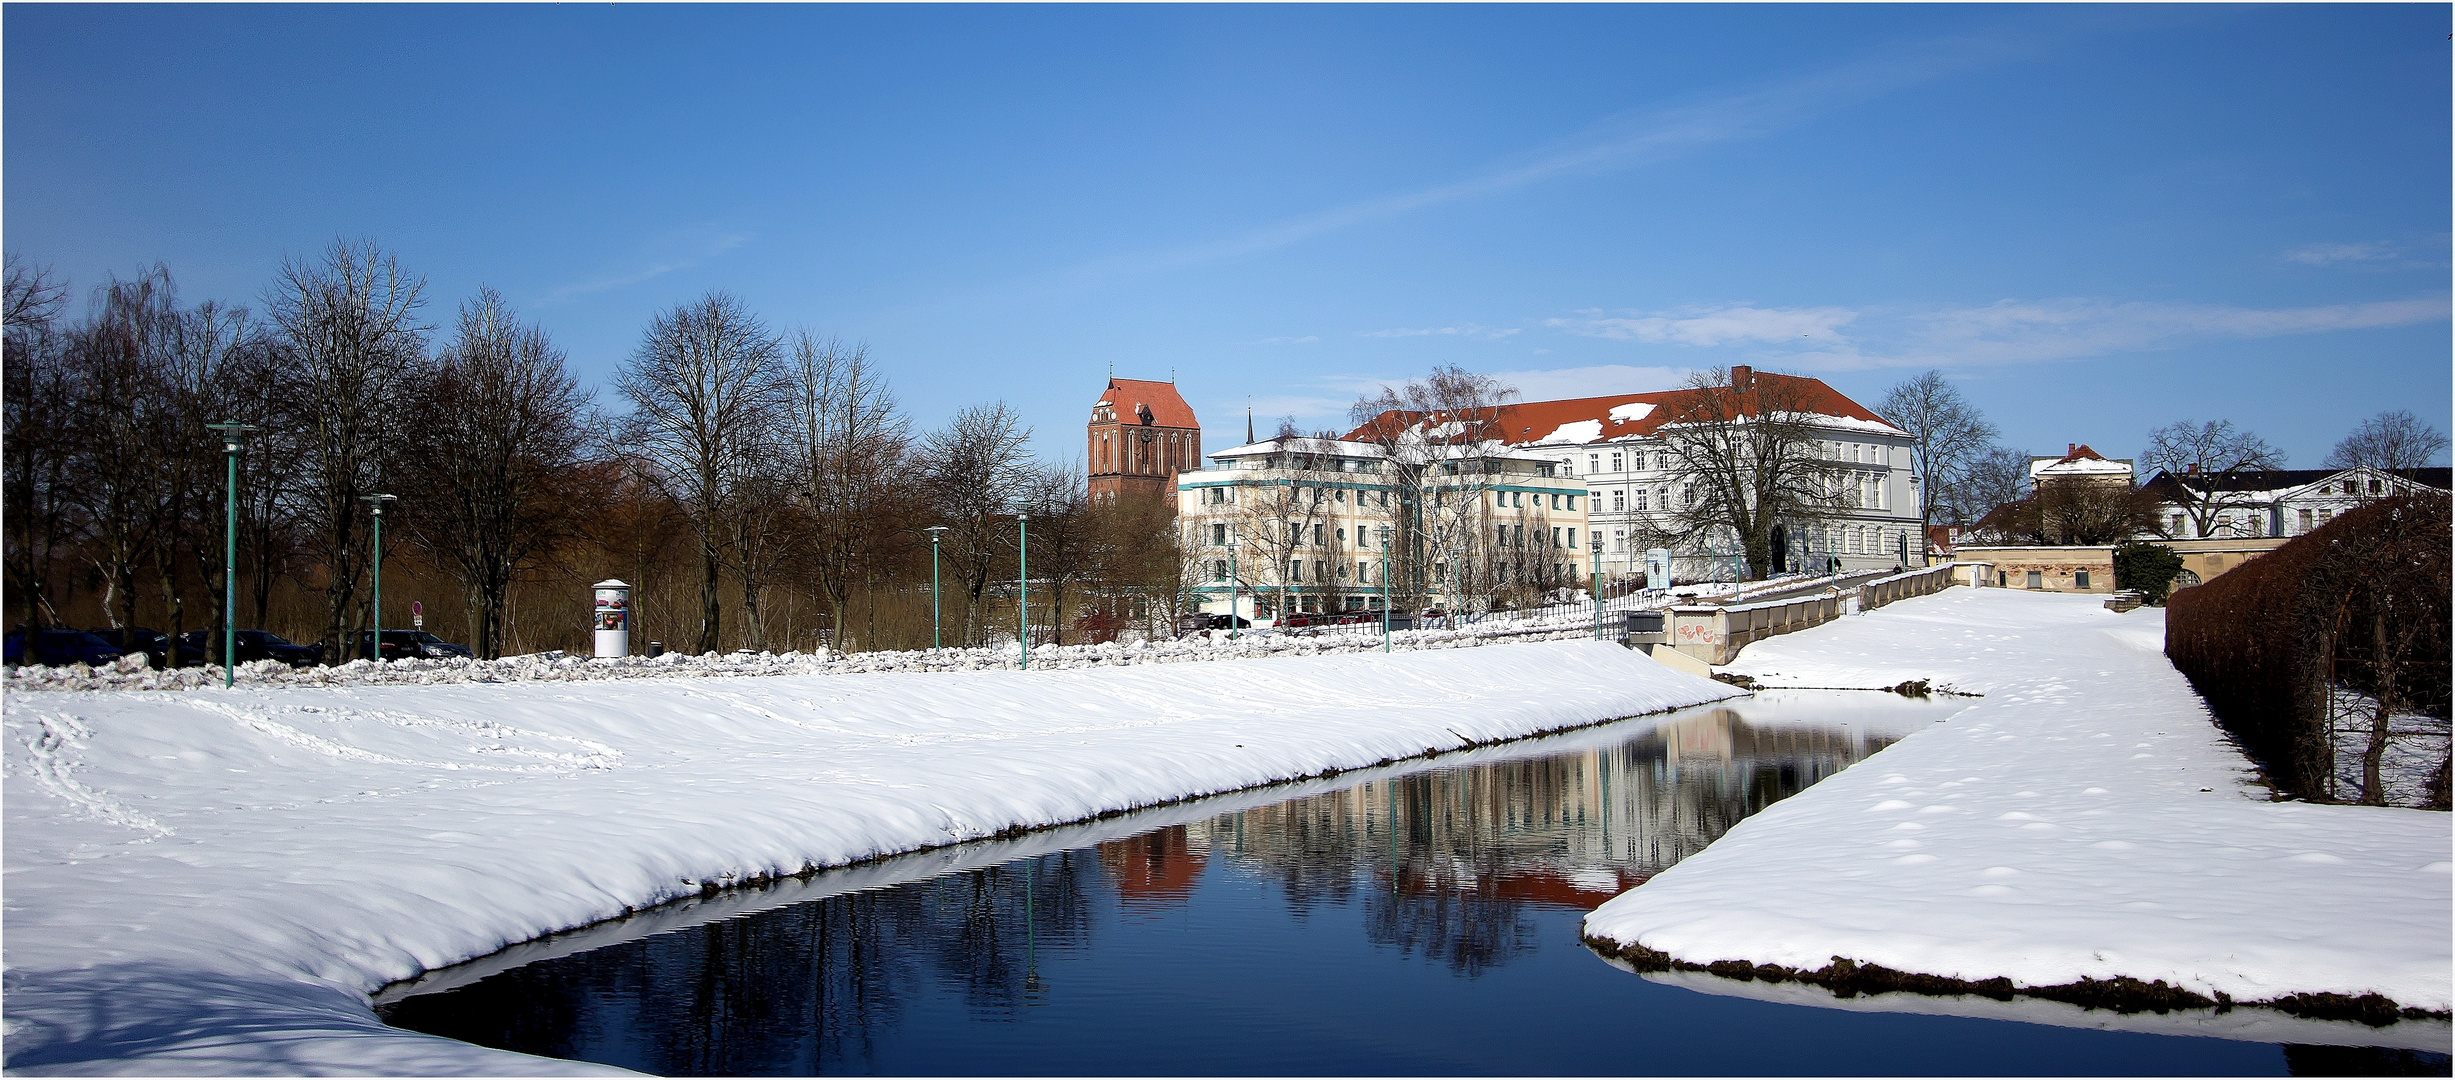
{"points": [[1430, 887]]}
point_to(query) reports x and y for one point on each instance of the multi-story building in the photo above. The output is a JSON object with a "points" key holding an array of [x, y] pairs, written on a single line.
{"points": [[1304, 525], [1616, 446], [2275, 502], [1141, 435]]}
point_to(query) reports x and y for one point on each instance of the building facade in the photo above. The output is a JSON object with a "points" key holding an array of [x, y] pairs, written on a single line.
{"points": [[1615, 447], [1301, 525], [1140, 436], [2276, 502]]}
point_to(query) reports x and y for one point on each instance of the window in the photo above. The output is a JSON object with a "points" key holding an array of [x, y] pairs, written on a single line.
{"points": [[1342, 571], [1295, 534], [2305, 521], [1640, 500], [1218, 570], [1555, 536], [1316, 534], [2037, 579], [1342, 536], [1321, 570], [1572, 538], [1555, 502], [1518, 498], [1619, 539], [2348, 487], [1218, 538], [1594, 462], [1295, 570], [2175, 526], [1615, 463], [2377, 485], [1521, 536], [1687, 494], [1385, 499], [1662, 459], [2079, 579], [1342, 495]]}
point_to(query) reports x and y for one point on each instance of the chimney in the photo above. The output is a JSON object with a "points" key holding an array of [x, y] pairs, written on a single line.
{"points": [[2191, 470], [1741, 376], [2071, 450]]}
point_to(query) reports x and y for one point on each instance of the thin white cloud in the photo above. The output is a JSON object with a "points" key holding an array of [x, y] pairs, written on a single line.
{"points": [[1740, 323], [2002, 333], [2326, 254], [1465, 330], [1305, 340], [678, 251]]}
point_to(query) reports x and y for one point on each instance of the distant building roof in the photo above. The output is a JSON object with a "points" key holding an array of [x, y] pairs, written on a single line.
{"points": [[2267, 480], [1130, 397], [2078, 461], [1575, 421]]}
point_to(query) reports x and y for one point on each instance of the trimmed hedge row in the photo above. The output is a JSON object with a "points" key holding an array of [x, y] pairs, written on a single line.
{"points": [[2369, 590]]}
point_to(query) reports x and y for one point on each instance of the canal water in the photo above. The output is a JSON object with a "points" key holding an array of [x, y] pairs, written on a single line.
{"points": [[1416, 920]]}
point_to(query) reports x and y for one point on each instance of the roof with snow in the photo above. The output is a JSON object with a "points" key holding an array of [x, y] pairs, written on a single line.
{"points": [[1131, 396], [2276, 480], [2078, 461], [1632, 416]]}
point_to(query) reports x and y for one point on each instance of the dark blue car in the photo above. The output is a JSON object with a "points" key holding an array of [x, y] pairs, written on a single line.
{"points": [[59, 646], [258, 645]]}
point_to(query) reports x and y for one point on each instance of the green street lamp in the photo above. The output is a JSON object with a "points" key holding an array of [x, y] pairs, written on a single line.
{"points": [[1022, 586], [1594, 540], [933, 532], [1384, 588], [234, 439], [375, 506]]}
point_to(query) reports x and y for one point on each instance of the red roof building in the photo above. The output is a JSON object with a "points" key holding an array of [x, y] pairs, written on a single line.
{"points": [[1140, 436]]}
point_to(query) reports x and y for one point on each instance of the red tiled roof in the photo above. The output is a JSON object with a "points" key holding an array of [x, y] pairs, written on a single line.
{"points": [[1168, 409], [1532, 421]]}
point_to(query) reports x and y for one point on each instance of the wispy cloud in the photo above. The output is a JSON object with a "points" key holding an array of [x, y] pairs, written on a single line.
{"points": [[677, 251], [1723, 326], [2001, 333], [1305, 340], [2325, 254], [1465, 330]]}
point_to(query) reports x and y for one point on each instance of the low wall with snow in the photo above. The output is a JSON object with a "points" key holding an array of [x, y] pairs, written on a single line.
{"points": [[213, 881]]}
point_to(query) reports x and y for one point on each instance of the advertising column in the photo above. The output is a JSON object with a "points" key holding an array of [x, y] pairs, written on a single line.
{"points": [[613, 618]]}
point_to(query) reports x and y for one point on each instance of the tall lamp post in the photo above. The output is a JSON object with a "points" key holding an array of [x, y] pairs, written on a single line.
{"points": [[933, 532], [375, 506], [1594, 541], [1022, 586], [1233, 540], [234, 439], [1384, 588]]}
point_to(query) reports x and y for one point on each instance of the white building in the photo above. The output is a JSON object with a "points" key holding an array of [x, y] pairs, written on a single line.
{"points": [[2276, 502], [1613, 446]]}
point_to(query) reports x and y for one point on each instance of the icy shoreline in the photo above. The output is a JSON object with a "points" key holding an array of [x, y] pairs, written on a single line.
{"points": [[2082, 831], [215, 881]]}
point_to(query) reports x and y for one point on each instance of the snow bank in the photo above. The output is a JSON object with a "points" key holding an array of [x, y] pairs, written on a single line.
{"points": [[214, 881], [2085, 819]]}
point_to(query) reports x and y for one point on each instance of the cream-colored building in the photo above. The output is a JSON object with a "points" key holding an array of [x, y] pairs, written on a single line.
{"points": [[2042, 569], [1305, 525]]}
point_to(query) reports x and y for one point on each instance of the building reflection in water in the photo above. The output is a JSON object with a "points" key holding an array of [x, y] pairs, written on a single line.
{"points": [[1447, 864]]}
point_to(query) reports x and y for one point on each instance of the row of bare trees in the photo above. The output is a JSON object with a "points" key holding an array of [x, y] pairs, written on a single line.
{"points": [[775, 471]]}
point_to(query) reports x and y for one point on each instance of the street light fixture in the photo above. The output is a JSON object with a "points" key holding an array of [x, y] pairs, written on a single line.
{"points": [[933, 532], [1594, 540], [234, 440], [1384, 588], [375, 506], [1022, 586]]}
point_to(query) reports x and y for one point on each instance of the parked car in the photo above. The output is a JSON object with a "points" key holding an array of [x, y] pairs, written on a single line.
{"points": [[153, 643], [253, 645], [405, 644], [59, 645]]}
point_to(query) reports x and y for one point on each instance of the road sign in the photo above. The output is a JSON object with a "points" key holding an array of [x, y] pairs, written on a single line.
{"points": [[417, 608]]}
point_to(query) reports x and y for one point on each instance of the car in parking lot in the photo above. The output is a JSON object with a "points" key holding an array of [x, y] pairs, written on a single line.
{"points": [[153, 643], [405, 644], [58, 645], [254, 645]]}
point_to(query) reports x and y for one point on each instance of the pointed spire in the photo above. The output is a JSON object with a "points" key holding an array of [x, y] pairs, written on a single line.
{"points": [[1248, 422]]}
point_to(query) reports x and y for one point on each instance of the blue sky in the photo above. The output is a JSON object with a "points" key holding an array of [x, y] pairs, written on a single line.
{"points": [[2096, 219]]}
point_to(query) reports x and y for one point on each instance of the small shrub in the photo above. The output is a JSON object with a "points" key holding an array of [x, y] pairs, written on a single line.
{"points": [[2146, 568]]}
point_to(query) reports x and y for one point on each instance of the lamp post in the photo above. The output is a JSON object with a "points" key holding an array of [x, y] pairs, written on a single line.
{"points": [[933, 532], [234, 439], [1022, 586], [1384, 588], [375, 506], [1594, 540], [1233, 539]]}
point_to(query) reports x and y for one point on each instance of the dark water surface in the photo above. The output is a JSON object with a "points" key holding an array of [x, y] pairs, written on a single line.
{"points": [[1419, 920]]}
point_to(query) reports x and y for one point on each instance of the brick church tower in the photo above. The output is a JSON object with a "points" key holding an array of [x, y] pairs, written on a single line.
{"points": [[1141, 435]]}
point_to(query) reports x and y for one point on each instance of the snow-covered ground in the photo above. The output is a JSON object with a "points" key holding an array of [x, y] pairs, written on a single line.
{"points": [[214, 881], [2084, 819]]}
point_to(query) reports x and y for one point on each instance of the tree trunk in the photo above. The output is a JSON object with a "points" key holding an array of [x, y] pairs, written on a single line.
{"points": [[2382, 682], [710, 611]]}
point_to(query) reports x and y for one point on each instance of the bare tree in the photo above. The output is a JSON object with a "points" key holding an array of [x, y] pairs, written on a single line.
{"points": [[38, 450], [704, 380], [1434, 435], [2204, 459], [351, 346], [125, 416], [1747, 456], [1991, 479], [1947, 434], [976, 475], [849, 444], [2390, 440], [499, 437], [213, 346], [1065, 538]]}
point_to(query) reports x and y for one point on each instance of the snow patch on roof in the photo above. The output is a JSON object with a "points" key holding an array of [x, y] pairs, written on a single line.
{"points": [[1575, 431], [1631, 412]]}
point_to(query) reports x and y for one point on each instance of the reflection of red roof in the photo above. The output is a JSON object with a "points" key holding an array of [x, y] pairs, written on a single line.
{"points": [[1154, 869], [1536, 887], [1534, 421], [1168, 409]]}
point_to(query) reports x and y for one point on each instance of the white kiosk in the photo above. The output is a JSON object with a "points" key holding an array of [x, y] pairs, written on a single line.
{"points": [[613, 618], [1658, 568]]}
